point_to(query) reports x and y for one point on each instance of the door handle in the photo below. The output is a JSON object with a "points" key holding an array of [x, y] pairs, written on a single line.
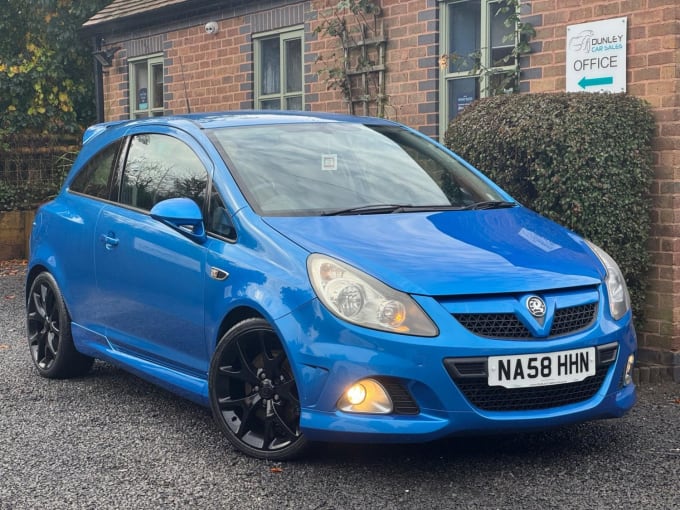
{"points": [[110, 240]]}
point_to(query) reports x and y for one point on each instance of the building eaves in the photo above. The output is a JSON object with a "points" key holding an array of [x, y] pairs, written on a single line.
{"points": [[133, 14], [117, 10]]}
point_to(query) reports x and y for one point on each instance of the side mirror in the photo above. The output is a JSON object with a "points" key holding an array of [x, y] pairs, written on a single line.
{"points": [[182, 215]]}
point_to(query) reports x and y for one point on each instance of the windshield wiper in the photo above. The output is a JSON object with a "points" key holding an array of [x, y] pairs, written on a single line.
{"points": [[399, 208], [368, 209], [489, 204]]}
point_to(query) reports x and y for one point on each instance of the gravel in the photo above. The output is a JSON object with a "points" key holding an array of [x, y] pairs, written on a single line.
{"points": [[111, 440]]}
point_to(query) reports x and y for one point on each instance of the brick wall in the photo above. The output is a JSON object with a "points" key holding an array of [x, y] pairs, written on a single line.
{"points": [[653, 73], [217, 70], [413, 63]]}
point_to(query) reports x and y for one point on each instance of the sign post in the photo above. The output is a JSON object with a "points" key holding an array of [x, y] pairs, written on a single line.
{"points": [[596, 56]]}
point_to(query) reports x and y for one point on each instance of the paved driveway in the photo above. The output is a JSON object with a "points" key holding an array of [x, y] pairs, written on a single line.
{"points": [[110, 440]]}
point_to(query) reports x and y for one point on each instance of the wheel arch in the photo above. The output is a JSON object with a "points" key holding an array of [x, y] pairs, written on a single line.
{"points": [[31, 276], [235, 316], [243, 312]]}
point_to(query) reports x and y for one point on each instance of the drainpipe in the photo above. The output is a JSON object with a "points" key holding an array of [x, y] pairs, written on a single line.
{"points": [[98, 80]]}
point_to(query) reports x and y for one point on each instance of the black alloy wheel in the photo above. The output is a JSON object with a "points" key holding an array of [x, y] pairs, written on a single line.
{"points": [[253, 394], [49, 332]]}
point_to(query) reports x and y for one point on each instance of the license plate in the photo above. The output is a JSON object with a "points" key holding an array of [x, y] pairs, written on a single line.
{"points": [[529, 370]]}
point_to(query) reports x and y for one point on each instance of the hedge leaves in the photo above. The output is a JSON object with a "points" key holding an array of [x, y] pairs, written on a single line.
{"points": [[583, 160]]}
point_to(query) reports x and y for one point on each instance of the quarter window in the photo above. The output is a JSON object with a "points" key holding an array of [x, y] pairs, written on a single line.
{"points": [[278, 71], [95, 177], [146, 87], [159, 167], [477, 57], [218, 221]]}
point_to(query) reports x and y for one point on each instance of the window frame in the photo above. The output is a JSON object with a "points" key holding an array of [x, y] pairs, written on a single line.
{"points": [[487, 11], [286, 34], [150, 111]]}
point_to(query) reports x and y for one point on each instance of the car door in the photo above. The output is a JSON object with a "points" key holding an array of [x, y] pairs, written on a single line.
{"points": [[83, 202], [150, 277]]}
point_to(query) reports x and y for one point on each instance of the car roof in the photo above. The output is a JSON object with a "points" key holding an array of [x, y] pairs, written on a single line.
{"points": [[213, 120]]}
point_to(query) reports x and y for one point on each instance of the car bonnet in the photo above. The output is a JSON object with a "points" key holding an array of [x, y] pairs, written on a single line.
{"points": [[452, 253]]}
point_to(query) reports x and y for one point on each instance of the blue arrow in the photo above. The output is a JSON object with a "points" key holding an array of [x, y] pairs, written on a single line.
{"points": [[594, 82]]}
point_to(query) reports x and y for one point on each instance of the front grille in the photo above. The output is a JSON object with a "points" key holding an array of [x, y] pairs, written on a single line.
{"points": [[574, 318], [493, 325], [470, 375], [507, 325], [497, 398]]}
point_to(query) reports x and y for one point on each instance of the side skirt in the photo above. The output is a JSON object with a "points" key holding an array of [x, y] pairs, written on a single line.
{"points": [[185, 385]]}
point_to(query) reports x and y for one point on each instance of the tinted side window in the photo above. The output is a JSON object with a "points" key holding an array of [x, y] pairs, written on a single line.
{"points": [[93, 179], [218, 220], [159, 167]]}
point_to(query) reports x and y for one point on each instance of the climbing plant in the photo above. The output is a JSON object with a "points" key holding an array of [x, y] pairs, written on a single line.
{"points": [[357, 67], [46, 82]]}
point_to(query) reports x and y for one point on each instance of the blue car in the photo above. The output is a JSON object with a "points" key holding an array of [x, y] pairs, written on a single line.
{"points": [[318, 277]]}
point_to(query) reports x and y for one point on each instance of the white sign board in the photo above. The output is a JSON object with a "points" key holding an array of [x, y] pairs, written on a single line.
{"points": [[596, 56]]}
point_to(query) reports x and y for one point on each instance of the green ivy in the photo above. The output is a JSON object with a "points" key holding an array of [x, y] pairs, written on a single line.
{"points": [[583, 160], [46, 66], [20, 197]]}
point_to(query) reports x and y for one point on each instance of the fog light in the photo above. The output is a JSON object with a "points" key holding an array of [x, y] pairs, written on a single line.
{"points": [[366, 396], [628, 375], [356, 394]]}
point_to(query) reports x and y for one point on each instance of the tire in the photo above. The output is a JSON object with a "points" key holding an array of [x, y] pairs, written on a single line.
{"points": [[253, 394], [49, 332]]}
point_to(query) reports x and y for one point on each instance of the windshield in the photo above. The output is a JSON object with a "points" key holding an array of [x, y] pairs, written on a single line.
{"points": [[339, 168]]}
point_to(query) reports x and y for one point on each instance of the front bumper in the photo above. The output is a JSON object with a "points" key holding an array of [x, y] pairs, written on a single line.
{"points": [[329, 355]]}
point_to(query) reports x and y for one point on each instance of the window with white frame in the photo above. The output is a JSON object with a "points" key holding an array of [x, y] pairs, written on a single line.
{"points": [[477, 40], [279, 83], [146, 87]]}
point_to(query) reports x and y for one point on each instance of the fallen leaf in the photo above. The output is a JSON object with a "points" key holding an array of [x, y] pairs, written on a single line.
{"points": [[4, 347], [276, 470], [12, 267], [10, 296]]}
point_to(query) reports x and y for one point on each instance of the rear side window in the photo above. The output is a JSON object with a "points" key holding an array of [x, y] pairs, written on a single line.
{"points": [[159, 167], [94, 179]]}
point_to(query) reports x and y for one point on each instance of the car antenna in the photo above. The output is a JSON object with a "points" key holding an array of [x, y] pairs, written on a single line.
{"points": [[184, 81]]}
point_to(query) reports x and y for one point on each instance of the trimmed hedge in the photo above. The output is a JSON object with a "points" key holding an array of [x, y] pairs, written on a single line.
{"points": [[583, 160]]}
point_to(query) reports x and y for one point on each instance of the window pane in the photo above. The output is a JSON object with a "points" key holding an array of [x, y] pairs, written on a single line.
{"points": [[157, 72], [271, 104], [94, 178], [502, 83], [159, 167], [218, 220], [142, 86], [461, 93], [502, 38], [293, 65], [294, 103], [271, 66], [464, 39]]}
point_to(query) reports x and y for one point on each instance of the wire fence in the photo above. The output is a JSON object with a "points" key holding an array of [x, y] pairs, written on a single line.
{"points": [[33, 167]]}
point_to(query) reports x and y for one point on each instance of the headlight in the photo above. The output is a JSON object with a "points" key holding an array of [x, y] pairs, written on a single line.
{"points": [[619, 299], [360, 299]]}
